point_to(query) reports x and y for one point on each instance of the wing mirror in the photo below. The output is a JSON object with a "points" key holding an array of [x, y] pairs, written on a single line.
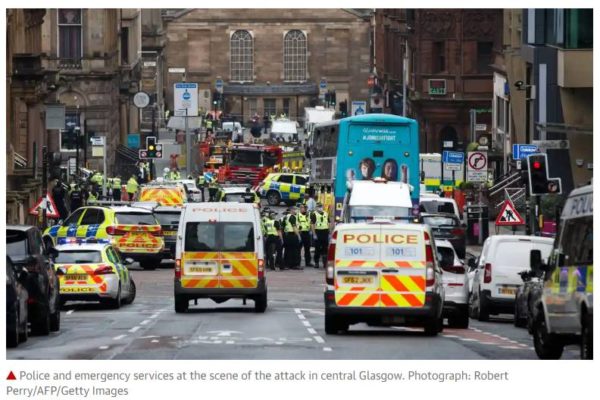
{"points": [[128, 261], [52, 252], [60, 271], [535, 262], [472, 264]]}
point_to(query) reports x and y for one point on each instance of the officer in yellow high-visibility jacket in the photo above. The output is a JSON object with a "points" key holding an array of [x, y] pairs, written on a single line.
{"points": [[319, 220], [116, 188], [304, 228], [132, 187]]}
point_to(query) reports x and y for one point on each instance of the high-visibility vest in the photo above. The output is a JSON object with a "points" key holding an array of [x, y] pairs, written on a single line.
{"points": [[174, 175], [201, 180], [270, 229], [303, 222], [132, 185], [213, 183], [116, 183], [209, 123], [96, 178], [91, 198], [288, 227], [322, 220]]}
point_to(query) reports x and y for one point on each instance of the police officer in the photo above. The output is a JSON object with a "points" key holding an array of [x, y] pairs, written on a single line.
{"points": [[273, 240], [75, 197], [291, 240], [132, 187], [201, 184], [116, 188], [209, 126], [213, 187], [174, 175], [320, 227], [92, 195], [304, 228]]}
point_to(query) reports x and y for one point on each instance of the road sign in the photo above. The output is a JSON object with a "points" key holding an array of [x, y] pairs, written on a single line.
{"points": [[219, 85], [176, 70], [359, 107], [185, 97], [323, 83], [543, 145], [509, 216], [480, 127], [453, 157], [48, 203], [523, 150], [452, 167], [97, 140], [141, 99], [477, 166], [55, 116]]}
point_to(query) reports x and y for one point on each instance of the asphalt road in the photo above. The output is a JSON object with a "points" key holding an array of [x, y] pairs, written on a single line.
{"points": [[291, 328]]}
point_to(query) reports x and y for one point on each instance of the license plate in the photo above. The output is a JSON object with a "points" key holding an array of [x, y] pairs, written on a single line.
{"points": [[393, 320], [200, 269], [507, 290], [76, 289], [169, 233], [357, 280], [76, 277]]}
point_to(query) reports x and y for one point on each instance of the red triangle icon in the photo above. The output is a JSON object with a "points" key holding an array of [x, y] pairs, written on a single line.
{"points": [[509, 215], [11, 376]]}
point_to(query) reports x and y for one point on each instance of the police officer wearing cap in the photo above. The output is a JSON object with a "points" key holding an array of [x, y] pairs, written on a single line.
{"points": [[320, 226], [291, 240], [304, 228], [201, 184], [116, 188], [273, 240]]}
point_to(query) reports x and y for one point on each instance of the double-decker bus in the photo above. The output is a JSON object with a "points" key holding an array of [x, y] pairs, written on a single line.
{"points": [[365, 147]]}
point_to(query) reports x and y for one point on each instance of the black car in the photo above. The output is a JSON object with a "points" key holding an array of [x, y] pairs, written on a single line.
{"points": [[447, 226], [16, 304], [25, 248], [525, 298], [168, 218]]}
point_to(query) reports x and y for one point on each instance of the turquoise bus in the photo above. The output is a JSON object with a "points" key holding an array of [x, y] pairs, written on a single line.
{"points": [[365, 147]]}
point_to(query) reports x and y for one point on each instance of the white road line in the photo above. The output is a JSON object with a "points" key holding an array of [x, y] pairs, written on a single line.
{"points": [[301, 316], [511, 347], [119, 337], [326, 348], [468, 340], [297, 311], [135, 329], [312, 331], [103, 347], [450, 336], [229, 342], [278, 342], [70, 312], [305, 323], [145, 322], [319, 339], [153, 316], [154, 340]]}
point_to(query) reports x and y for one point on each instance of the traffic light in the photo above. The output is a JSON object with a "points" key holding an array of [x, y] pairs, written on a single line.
{"points": [[153, 149], [215, 98], [537, 170]]}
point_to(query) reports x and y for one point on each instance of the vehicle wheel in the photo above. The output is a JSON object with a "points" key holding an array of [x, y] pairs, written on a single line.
{"points": [[483, 308], [132, 291], [273, 198], [42, 325], [547, 347], [432, 328], [333, 325], [181, 304], [12, 338], [115, 303], [461, 319], [260, 303], [518, 321], [148, 265], [23, 336], [587, 338], [55, 320]]}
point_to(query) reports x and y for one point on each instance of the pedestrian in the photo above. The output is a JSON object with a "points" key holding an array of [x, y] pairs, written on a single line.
{"points": [[132, 187], [59, 196], [266, 122], [201, 184], [75, 197], [291, 240], [213, 187], [116, 188], [309, 201], [320, 227], [305, 234], [273, 242]]}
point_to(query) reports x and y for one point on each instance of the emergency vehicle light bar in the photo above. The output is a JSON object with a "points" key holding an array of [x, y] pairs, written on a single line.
{"points": [[72, 240]]}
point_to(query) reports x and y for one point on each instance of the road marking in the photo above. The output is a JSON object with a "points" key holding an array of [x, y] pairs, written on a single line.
{"points": [[301, 316], [135, 329], [311, 330], [103, 347], [154, 341], [305, 323], [119, 337], [326, 348], [230, 342], [154, 316], [319, 339], [145, 322], [297, 311], [467, 339], [71, 311]]}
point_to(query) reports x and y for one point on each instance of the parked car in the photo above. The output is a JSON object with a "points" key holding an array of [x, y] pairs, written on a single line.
{"points": [[24, 246], [525, 298], [447, 226], [456, 285], [436, 205], [16, 304], [496, 278]]}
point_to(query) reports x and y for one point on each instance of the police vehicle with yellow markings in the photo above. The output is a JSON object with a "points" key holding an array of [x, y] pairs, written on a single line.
{"points": [[564, 313], [93, 270], [133, 231], [278, 187], [237, 194]]}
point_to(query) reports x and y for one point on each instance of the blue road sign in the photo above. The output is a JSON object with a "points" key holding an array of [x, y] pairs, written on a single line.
{"points": [[523, 150], [219, 83], [453, 157], [186, 95], [323, 84]]}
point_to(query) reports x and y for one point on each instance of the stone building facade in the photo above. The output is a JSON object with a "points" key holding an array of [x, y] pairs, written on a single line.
{"points": [[270, 61]]}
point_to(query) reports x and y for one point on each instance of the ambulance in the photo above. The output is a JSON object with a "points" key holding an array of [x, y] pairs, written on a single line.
{"points": [[383, 274], [220, 255]]}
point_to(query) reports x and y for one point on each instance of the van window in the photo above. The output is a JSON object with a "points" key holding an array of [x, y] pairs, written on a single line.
{"points": [[578, 246], [79, 257], [238, 236], [200, 236], [437, 207], [358, 213], [136, 219], [516, 253], [168, 218]]}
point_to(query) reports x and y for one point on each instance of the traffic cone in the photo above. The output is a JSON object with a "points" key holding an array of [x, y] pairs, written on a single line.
{"points": [[11, 376]]}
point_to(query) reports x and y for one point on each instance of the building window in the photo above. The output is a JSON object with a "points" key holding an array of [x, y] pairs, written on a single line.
{"points": [[252, 106], [294, 56], [579, 29], [438, 56], [501, 114], [286, 107], [124, 45], [69, 34], [269, 106], [242, 57], [484, 57], [68, 136]]}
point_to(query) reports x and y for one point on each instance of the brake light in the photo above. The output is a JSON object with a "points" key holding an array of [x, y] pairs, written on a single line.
{"points": [[429, 262], [457, 231], [103, 270], [487, 273], [261, 269], [178, 268], [158, 232], [330, 268], [112, 230]]}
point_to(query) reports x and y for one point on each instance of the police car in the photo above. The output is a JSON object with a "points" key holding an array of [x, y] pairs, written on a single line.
{"points": [[278, 187], [134, 231], [237, 194], [93, 270]]}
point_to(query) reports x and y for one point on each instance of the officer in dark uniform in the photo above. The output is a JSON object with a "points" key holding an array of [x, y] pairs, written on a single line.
{"points": [[291, 240], [75, 197], [305, 234], [320, 226]]}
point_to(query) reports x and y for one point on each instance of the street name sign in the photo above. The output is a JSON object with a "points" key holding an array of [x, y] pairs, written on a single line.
{"points": [[523, 150], [453, 157]]}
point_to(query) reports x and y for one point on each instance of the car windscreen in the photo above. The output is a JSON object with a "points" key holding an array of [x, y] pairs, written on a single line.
{"points": [[222, 236], [366, 212], [78, 257], [16, 245], [168, 218], [234, 198], [437, 207], [445, 256], [129, 218], [439, 221], [246, 158]]}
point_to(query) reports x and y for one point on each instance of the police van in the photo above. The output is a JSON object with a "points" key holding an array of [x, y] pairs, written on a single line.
{"points": [[220, 255], [564, 313], [383, 273]]}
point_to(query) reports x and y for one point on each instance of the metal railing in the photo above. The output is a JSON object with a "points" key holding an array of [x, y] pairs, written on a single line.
{"points": [[20, 161]]}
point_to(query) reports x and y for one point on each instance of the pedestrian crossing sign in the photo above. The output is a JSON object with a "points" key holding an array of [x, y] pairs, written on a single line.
{"points": [[509, 216], [48, 203]]}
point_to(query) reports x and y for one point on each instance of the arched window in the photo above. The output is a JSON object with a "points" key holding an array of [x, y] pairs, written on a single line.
{"points": [[242, 57], [294, 56]]}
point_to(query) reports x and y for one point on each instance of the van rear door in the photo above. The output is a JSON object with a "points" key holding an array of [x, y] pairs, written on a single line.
{"points": [[200, 255]]}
